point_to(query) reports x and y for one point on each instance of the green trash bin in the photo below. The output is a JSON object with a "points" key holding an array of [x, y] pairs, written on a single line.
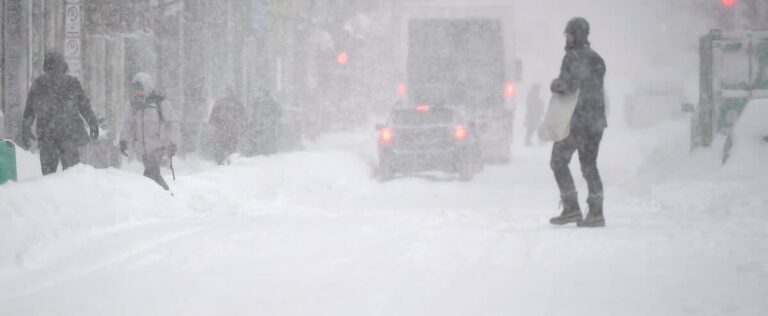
{"points": [[7, 161]]}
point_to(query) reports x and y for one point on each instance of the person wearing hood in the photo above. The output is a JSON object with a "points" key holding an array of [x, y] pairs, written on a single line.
{"points": [[228, 118], [59, 105], [150, 126], [582, 71]]}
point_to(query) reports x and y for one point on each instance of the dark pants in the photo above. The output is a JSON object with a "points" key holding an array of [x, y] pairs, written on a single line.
{"points": [[225, 145], [588, 145], [53, 151], [152, 168]]}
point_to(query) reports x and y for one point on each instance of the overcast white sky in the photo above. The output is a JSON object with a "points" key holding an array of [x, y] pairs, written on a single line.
{"points": [[641, 41]]}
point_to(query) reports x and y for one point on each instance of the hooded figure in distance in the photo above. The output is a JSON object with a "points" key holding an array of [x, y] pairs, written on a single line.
{"points": [[228, 118], [151, 126], [534, 113], [582, 70], [59, 105]]}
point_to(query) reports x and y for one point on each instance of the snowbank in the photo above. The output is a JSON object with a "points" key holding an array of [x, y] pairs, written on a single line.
{"points": [[659, 164], [82, 199], [749, 155], [313, 233], [79, 200]]}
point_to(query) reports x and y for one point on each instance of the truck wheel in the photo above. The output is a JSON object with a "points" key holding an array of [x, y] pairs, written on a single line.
{"points": [[466, 170], [466, 174], [386, 170]]}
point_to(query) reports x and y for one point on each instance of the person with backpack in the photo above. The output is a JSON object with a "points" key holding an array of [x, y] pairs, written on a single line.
{"points": [[150, 126], [58, 103], [582, 71]]}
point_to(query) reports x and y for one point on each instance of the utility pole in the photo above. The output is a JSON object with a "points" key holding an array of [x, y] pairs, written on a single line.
{"points": [[15, 65], [2, 63], [195, 48], [72, 39]]}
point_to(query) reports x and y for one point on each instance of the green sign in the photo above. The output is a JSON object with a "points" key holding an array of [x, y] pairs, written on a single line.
{"points": [[741, 59], [730, 110], [7, 161], [761, 54]]}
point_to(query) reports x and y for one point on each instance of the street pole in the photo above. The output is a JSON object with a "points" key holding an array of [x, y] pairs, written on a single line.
{"points": [[2, 64], [72, 39], [194, 73], [15, 65]]}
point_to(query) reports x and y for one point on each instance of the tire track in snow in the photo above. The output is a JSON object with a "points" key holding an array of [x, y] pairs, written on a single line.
{"points": [[52, 275]]}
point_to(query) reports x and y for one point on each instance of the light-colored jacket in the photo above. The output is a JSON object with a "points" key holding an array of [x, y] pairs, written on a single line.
{"points": [[150, 125]]}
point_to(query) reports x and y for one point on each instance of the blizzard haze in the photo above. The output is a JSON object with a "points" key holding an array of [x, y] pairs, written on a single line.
{"points": [[300, 219]]}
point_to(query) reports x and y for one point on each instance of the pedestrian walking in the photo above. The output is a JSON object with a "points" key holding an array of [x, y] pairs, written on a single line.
{"points": [[582, 72], [58, 104], [150, 126]]}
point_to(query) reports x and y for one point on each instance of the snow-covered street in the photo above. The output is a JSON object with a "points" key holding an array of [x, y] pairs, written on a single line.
{"points": [[314, 233]]}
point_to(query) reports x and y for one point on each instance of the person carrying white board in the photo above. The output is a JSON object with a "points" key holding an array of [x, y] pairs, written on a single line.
{"points": [[581, 80]]}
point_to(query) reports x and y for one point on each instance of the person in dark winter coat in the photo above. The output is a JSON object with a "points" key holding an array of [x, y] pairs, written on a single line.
{"points": [[59, 105], [534, 112], [229, 120], [582, 70], [265, 124], [151, 125]]}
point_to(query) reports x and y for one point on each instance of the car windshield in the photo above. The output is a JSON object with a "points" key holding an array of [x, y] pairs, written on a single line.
{"points": [[416, 118]]}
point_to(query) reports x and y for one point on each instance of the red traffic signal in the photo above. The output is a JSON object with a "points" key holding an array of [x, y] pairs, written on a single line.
{"points": [[343, 58], [510, 89], [728, 3], [402, 89]]}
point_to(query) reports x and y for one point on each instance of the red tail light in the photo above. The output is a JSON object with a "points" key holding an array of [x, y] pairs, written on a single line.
{"points": [[460, 132], [386, 135], [422, 108], [402, 89], [510, 89]]}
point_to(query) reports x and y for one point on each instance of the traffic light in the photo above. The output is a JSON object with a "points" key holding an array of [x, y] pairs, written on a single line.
{"points": [[343, 58], [402, 89], [510, 89], [727, 15]]}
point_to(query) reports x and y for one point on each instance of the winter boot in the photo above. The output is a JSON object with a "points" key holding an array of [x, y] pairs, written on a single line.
{"points": [[594, 217], [571, 210]]}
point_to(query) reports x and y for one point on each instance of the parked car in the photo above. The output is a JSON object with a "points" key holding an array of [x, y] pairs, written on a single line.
{"points": [[426, 138]]}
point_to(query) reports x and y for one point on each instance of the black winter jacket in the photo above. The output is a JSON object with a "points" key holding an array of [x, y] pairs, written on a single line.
{"points": [[228, 115], [57, 102], [583, 69]]}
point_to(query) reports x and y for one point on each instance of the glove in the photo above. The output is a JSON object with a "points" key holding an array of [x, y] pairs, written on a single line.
{"points": [[172, 150], [124, 148], [26, 136], [95, 132], [558, 86]]}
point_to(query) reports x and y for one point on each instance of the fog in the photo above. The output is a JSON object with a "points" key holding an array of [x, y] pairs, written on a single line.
{"points": [[293, 50], [642, 41], [332, 157]]}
